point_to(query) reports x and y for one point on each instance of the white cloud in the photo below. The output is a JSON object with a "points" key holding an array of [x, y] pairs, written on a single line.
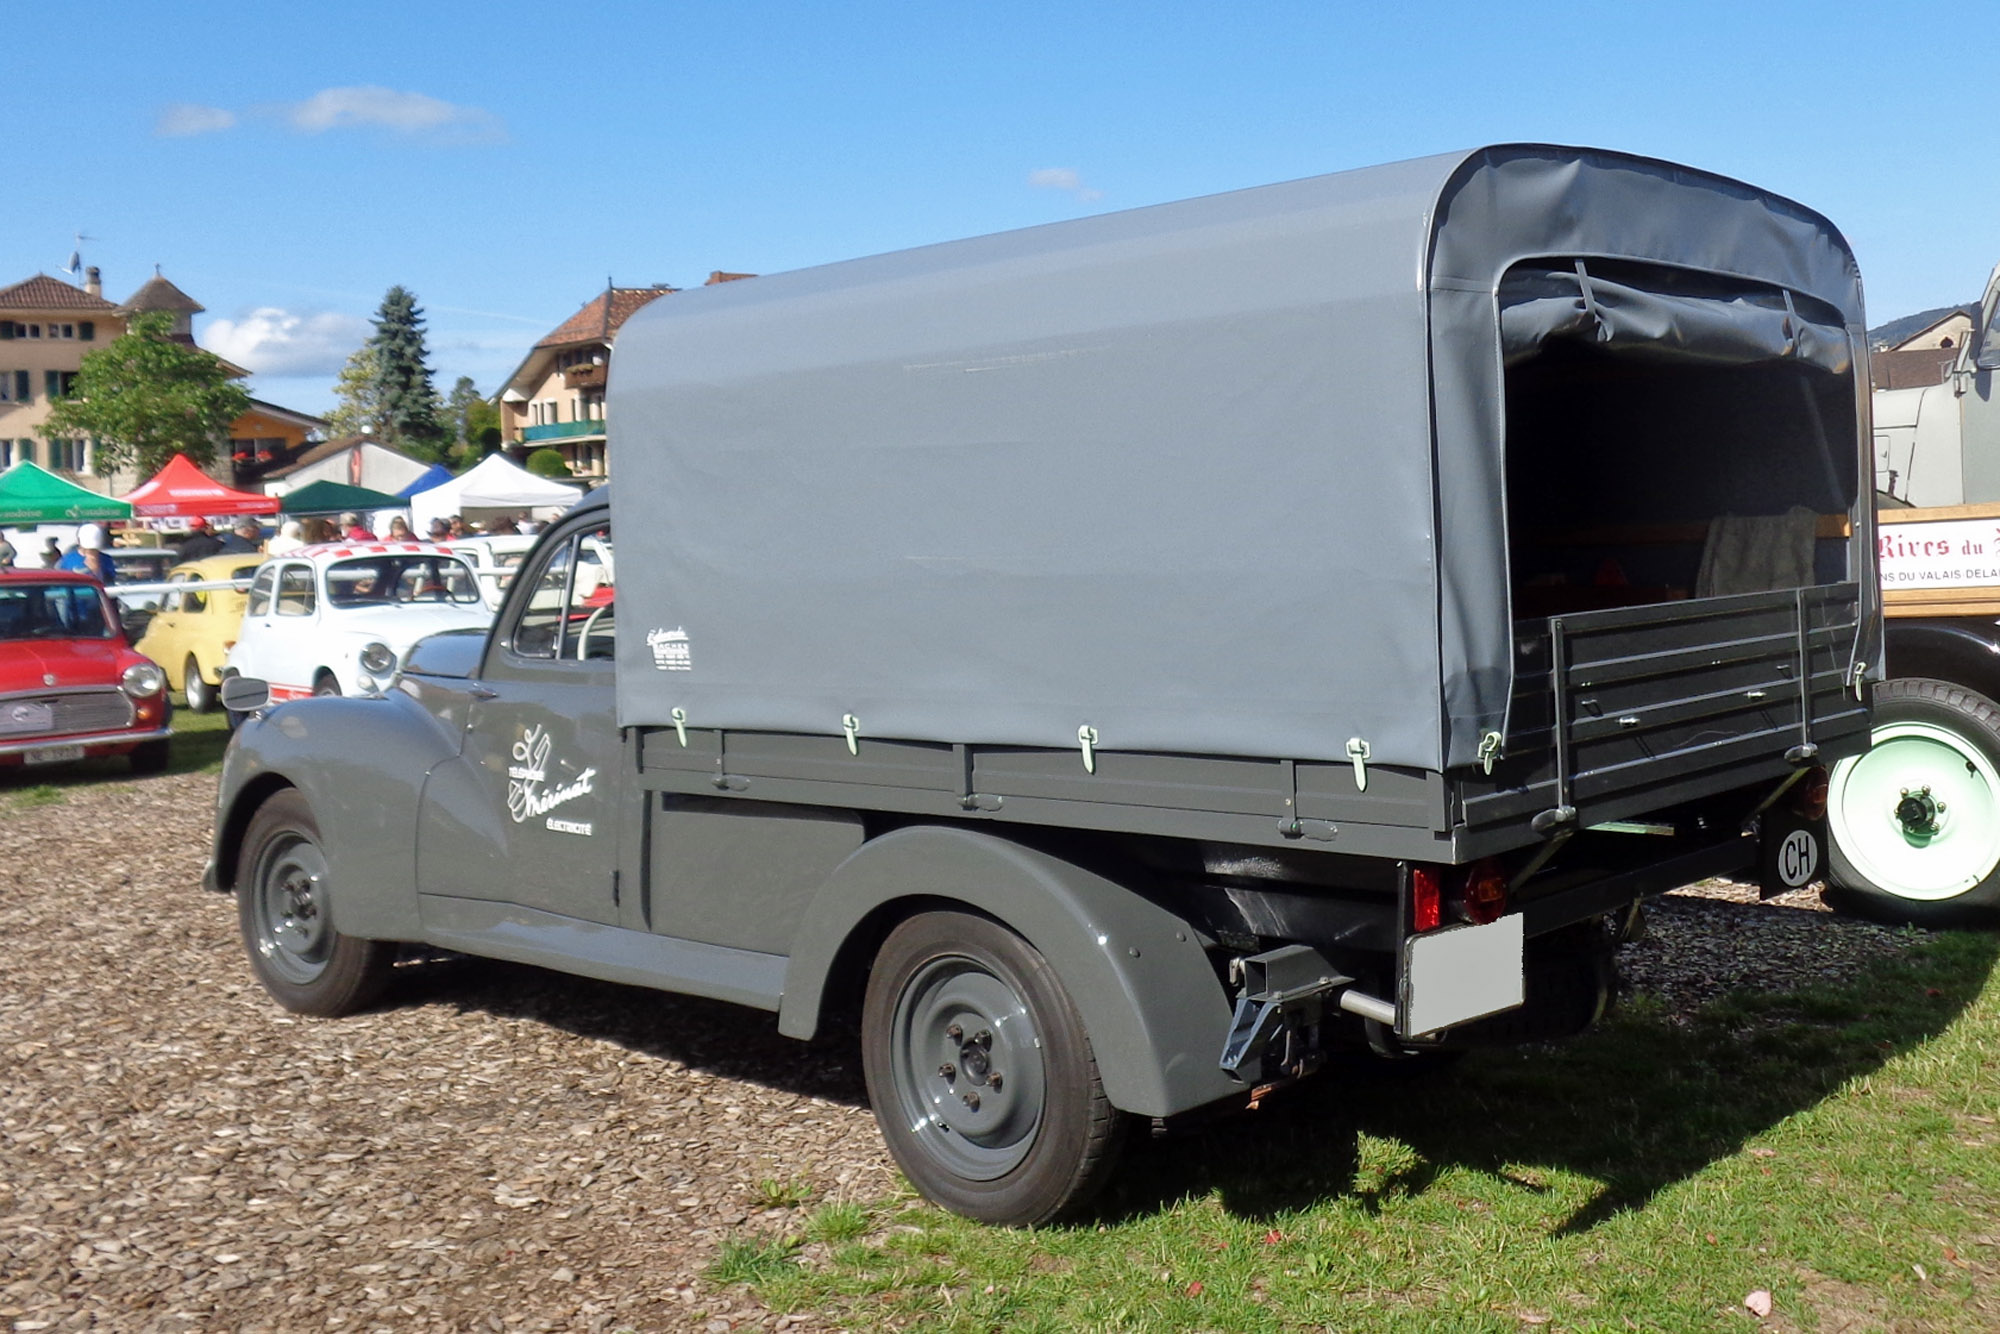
{"points": [[1066, 179], [387, 109], [178, 120], [273, 341]]}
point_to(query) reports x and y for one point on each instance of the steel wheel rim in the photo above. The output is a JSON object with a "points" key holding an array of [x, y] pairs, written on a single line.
{"points": [[293, 935], [935, 1069], [1910, 757], [192, 686]]}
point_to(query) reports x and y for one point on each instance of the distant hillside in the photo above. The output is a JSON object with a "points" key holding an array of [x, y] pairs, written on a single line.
{"points": [[1895, 331]]}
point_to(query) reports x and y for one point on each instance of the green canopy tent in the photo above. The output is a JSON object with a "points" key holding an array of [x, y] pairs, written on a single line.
{"points": [[29, 494], [337, 498]]}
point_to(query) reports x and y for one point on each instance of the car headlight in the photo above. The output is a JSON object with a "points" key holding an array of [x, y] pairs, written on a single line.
{"points": [[142, 679], [378, 659]]}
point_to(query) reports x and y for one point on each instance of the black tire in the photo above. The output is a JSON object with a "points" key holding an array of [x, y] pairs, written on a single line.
{"points": [[324, 684], [150, 757], [952, 999], [1914, 824], [284, 912], [200, 695]]}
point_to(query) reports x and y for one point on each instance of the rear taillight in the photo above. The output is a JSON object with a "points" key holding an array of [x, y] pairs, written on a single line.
{"points": [[1811, 799], [1426, 898], [1485, 893]]}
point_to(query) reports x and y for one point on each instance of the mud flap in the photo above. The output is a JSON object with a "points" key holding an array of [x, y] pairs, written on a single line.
{"points": [[1791, 852]]}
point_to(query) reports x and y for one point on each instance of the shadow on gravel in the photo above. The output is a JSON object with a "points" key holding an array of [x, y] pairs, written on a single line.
{"points": [[1638, 1104], [713, 1036]]}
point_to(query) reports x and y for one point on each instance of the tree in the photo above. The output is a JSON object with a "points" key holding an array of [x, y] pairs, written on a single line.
{"points": [[360, 408], [546, 463], [408, 401], [458, 408], [145, 397]]}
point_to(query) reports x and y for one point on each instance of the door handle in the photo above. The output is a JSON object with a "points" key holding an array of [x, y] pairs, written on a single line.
{"points": [[482, 692]]}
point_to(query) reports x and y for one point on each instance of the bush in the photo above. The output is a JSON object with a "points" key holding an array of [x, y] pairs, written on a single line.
{"points": [[547, 463]]}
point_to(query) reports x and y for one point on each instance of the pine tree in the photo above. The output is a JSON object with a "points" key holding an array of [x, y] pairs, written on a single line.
{"points": [[408, 400], [458, 408]]}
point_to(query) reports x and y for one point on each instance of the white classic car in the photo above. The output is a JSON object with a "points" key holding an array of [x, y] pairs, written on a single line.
{"points": [[337, 618]]}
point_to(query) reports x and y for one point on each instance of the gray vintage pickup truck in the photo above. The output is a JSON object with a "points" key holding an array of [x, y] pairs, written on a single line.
{"points": [[1123, 661]]}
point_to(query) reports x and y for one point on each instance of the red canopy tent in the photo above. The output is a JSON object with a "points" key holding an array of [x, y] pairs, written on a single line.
{"points": [[182, 490]]}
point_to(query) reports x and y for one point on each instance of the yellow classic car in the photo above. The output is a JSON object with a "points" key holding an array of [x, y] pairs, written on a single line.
{"points": [[192, 632]]}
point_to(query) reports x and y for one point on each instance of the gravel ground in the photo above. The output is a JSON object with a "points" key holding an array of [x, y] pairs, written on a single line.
{"points": [[498, 1149]]}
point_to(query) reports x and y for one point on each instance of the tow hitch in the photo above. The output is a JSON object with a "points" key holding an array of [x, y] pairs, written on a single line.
{"points": [[1285, 991]]}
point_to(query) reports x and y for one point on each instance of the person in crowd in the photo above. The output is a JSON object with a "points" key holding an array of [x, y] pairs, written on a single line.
{"points": [[319, 530], [458, 528], [246, 537], [6, 553], [52, 554], [291, 536], [440, 530], [504, 524], [92, 544], [201, 540], [399, 530], [354, 530]]}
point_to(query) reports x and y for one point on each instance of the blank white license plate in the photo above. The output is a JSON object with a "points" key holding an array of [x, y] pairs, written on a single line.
{"points": [[53, 754], [1462, 973]]}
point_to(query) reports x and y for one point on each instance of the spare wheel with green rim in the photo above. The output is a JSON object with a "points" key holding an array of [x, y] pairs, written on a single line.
{"points": [[1915, 822]]}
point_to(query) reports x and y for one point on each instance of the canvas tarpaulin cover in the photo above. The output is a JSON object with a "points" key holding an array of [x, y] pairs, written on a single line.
{"points": [[1220, 477]]}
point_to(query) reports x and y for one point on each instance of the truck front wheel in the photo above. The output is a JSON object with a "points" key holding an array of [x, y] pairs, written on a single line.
{"points": [[282, 907], [981, 1075], [1915, 822]]}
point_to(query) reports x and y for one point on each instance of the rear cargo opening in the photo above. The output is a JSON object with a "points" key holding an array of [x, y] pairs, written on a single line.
{"points": [[1625, 456], [1680, 474]]}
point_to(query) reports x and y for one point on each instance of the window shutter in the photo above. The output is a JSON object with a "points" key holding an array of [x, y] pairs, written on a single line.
{"points": [[87, 331], [21, 394], [6, 329], [52, 384]]}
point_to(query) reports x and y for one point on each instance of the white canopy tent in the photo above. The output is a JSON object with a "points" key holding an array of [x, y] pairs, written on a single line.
{"points": [[496, 486]]}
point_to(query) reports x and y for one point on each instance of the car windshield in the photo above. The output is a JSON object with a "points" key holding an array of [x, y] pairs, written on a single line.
{"points": [[52, 611], [399, 578]]}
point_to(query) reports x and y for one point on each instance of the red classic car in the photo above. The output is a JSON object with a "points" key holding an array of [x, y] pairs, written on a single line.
{"points": [[70, 686]]}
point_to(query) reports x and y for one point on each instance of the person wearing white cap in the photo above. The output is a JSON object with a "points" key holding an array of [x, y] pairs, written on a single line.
{"points": [[291, 536], [91, 544]]}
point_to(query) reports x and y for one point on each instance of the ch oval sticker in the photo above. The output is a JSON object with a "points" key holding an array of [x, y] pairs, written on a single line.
{"points": [[1798, 858]]}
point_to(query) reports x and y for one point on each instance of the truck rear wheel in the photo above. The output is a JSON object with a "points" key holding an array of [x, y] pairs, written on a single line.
{"points": [[1915, 822], [981, 1075], [306, 964]]}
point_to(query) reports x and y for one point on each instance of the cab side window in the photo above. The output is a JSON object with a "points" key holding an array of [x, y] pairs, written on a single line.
{"points": [[260, 592], [538, 633], [296, 596]]}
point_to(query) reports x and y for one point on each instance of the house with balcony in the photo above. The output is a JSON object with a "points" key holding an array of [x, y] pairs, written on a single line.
{"points": [[555, 398]]}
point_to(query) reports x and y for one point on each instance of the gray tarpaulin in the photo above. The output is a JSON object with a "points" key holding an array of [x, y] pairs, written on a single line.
{"points": [[1220, 476]]}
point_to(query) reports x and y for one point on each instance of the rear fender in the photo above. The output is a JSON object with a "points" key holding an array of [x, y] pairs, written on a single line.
{"points": [[1156, 1013], [361, 765]]}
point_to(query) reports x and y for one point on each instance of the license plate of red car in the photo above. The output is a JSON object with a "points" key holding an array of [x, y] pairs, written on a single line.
{"points": [[53, 754]]}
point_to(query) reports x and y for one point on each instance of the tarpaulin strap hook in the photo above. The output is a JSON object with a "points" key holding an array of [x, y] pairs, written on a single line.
{"points": [[851, 725], [680, 717], [1357, 751], [1489, 750], [1086, 736], [1590, 299]]}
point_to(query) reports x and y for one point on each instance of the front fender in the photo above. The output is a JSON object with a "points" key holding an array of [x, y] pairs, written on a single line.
{"points": [[361, 765], [1156, 1014]]}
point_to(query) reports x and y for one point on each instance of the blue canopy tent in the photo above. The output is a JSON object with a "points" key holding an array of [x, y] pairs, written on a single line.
{"points": [[436, 475]]}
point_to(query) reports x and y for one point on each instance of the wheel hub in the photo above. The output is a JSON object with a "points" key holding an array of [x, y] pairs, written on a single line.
{"points": [[971, 1071], [1918, 812]]}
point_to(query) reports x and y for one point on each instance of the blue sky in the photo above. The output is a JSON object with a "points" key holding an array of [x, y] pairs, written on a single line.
{"points": [[286, 164]]}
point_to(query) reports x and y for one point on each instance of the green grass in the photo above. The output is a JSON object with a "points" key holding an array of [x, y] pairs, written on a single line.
{"points": [[195, 747], [1837, 1148]]}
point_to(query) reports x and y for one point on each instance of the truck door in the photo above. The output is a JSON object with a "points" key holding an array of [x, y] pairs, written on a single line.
{"points": [[541, 749]]}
